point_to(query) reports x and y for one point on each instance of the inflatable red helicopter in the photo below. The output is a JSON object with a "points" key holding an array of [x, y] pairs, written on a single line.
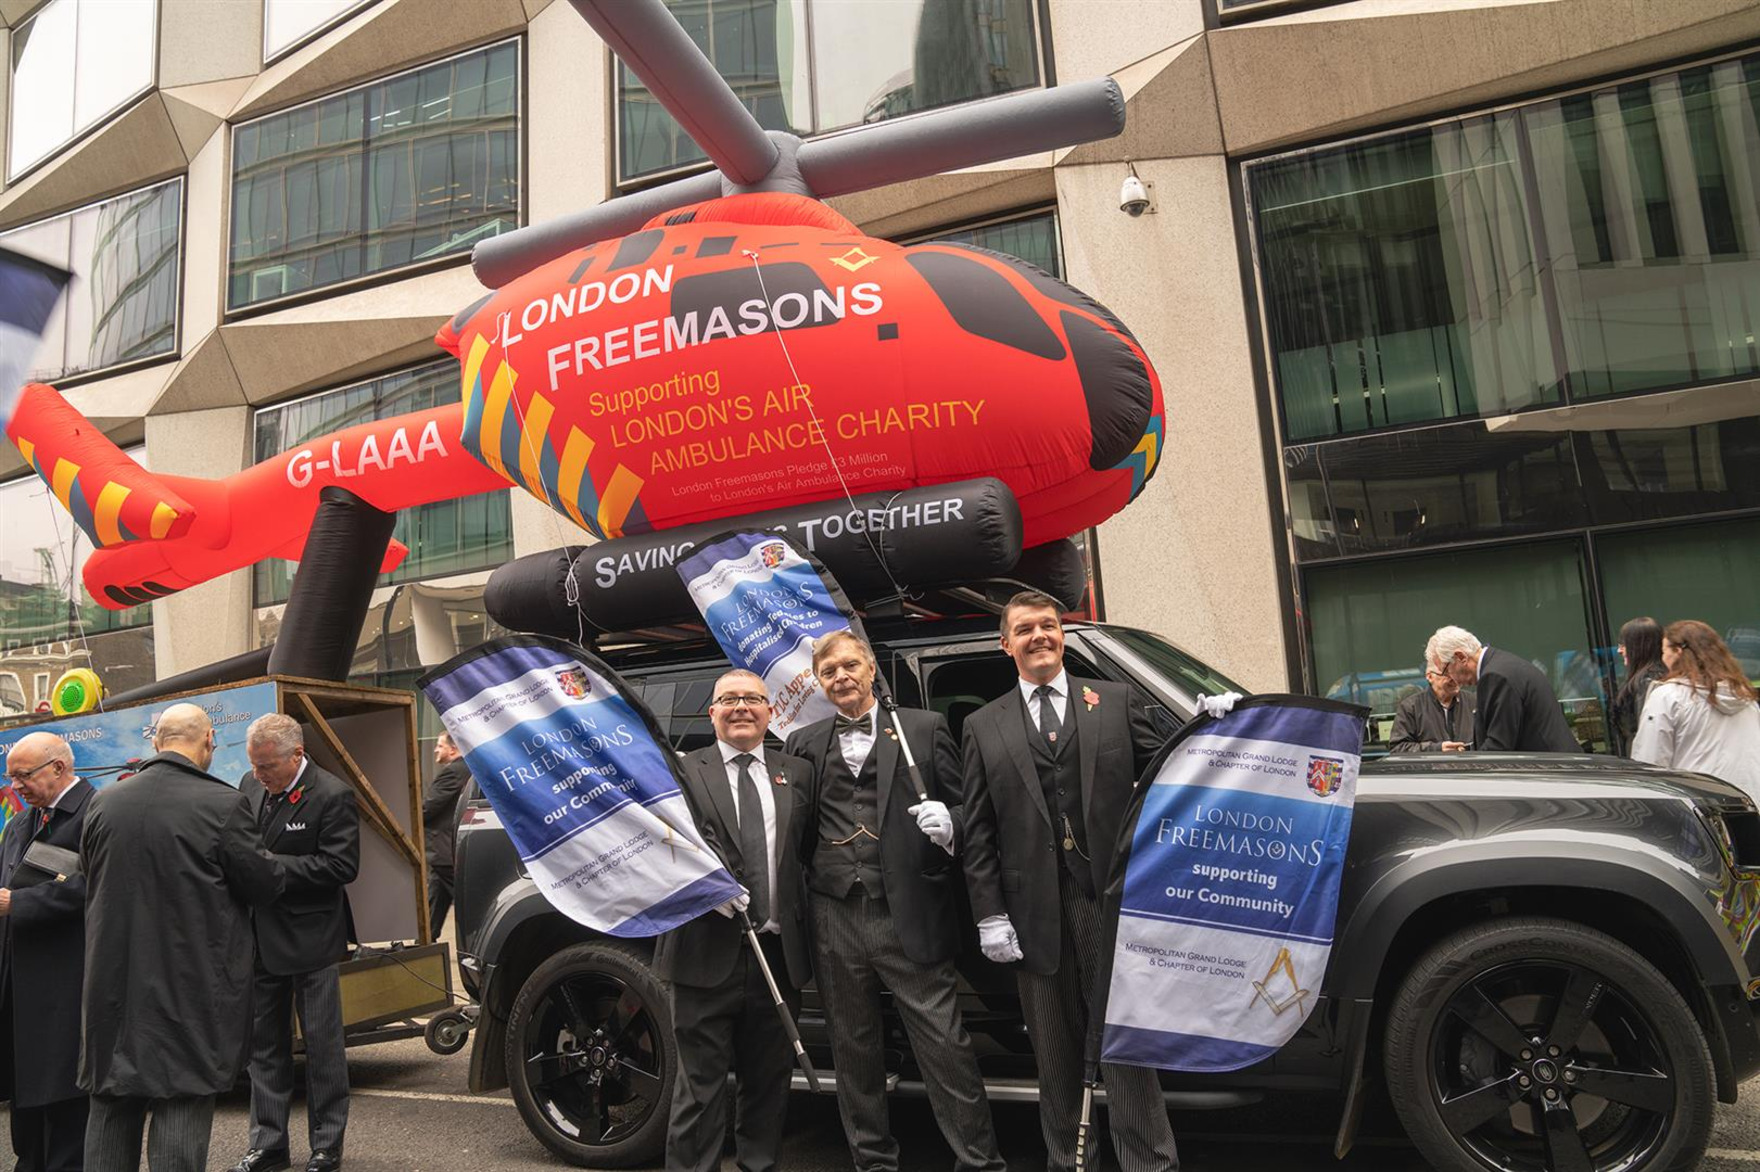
{"points": [[697, 352]]}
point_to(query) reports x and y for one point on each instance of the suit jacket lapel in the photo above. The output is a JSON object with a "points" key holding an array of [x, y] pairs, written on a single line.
{"points": [[712, 777], [278, 821], [783, 796], [1019, 748], [886, 758], [1087, 722]]}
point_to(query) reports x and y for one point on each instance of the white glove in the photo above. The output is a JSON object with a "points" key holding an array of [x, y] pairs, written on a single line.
{"points": [[934, 820], [997, 939], [738, 903], [1218, 705]]}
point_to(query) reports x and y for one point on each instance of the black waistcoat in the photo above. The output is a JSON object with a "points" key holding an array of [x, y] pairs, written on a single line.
{"points": [[848, 801], [1060, 776]]}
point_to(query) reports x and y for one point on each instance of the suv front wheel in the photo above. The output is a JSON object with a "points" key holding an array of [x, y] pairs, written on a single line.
{"points": [[1529, 1045], [590, 1056]]}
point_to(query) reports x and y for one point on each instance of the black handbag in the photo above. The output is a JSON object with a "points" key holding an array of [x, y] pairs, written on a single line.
{"points": [[43, 863]]}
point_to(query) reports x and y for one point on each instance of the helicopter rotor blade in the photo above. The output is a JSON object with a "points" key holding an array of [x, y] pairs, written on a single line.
{"points": [[657, 49], [502, 259], [962, 136]]}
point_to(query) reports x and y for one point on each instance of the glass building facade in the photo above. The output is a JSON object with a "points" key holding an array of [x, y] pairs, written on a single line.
{"points": [[411, 169], [1512, 357], [74, 64], [445, 537], [812, 66]]}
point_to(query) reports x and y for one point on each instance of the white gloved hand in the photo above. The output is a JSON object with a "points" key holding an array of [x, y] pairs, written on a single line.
{"points": [[738, 903], [997, 939], [1218, 705], [934, 820]]}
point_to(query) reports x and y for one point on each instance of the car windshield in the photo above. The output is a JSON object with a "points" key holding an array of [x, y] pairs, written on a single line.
{"points": [[1190, 674]]}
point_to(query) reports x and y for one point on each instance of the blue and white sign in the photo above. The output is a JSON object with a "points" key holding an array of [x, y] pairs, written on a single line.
{"points": [[765, 602], [584, 782], [29, 292], [1231, 886]]}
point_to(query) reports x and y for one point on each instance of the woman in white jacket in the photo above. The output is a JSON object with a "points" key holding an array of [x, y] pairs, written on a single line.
{"points": [[1702, 717]]}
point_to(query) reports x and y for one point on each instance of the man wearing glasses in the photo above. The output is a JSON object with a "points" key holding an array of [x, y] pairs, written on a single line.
{"points": [[752, 804], [1437, 719], [42, 961]]}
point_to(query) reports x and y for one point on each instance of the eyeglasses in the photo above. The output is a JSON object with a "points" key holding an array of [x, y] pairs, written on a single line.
{"points": [[749, 699], [20, 778]]}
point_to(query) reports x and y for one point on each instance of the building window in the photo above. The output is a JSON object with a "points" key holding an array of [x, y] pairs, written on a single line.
{"points": [[1370, 621], [1032, 238], [445, 537], [812, 66], [406, 170], [1705, 572], [1596, 244], [42, 554], [74, 64], [121, 307], [290, 23]]}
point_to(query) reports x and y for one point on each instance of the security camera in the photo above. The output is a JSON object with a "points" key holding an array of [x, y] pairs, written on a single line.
{"points": [[1133, 197]]}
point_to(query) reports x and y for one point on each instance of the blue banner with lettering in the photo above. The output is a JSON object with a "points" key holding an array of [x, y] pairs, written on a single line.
{"points": [[1229, 888]]}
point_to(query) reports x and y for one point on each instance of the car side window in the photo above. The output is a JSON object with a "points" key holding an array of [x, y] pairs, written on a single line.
{"points": [[960, 685]]}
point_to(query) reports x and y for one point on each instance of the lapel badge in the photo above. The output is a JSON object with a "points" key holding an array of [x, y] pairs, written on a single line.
{"points": [[1090, 697], [1052, 736], [779, 779], [294, 797]]}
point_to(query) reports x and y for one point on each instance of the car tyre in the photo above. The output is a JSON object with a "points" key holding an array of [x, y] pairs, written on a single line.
{"points": [[1529, 1044], [591, 1058]]}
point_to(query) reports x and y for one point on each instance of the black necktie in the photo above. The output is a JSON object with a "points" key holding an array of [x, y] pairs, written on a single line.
{"points": [[753, 847], [271, 803], [1047, 713], [863, 723]]}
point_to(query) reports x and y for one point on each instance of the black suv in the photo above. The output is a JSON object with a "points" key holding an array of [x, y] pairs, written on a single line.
{"points": [[1549, 961]]}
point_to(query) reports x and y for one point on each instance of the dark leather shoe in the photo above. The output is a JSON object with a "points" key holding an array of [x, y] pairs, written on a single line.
{"points": [[263, 1160], [323, 1161]]}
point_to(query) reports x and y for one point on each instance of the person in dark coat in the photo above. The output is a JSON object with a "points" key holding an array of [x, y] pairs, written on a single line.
{"points": [[172, 869], [1517, 711], [310, 824], [1049, 769], [440, 825], [1640, 648], [754, 805], [882, 879], [42, 961], [1436, 719]]}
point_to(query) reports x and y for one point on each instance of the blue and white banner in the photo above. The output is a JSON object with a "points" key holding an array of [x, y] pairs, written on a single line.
{"points": [[765, 602], [1230, 888], [584, 782], [29, 292]]}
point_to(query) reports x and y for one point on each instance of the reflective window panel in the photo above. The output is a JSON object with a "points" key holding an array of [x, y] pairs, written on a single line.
{"points": [[418, 166], [288, 22], [1706, 572], [42, 553], [122, 304], [123, 659], [1032, 238], [1590, 245], [75, 63], [446, 537], [811, 66], [1369, 622]]}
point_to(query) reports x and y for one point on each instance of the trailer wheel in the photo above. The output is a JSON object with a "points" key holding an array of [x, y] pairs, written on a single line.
{"points": [[447, 1032]]}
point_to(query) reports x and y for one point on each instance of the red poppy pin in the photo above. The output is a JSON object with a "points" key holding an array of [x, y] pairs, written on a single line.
{"points": [[1090, 697], [779, 779], [294, 797]]}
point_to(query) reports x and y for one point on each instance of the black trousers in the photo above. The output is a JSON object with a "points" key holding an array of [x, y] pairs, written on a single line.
{"points": [[731, 1027], [50, 1138], [177, 1141], [318, 997], [439, 897]]}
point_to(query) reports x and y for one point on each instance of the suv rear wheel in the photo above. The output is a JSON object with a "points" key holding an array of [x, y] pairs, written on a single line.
{"points": [[590, 1056], [1531, 1044]]}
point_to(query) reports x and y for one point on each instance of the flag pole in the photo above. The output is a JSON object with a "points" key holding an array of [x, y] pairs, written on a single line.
{"points": [[891, 706], [788, 1026]]}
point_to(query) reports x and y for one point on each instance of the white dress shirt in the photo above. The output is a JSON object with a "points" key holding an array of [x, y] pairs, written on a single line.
{"points": [[855, 746], [766, 800], [1059, 698]]}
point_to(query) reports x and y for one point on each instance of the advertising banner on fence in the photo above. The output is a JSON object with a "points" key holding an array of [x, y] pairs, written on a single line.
{"points": [[765, 602], [110, 740], [1230, 887], [584, 782]]}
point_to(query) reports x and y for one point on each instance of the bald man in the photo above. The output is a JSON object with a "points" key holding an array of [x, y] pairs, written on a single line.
{"points": [[42, 956], [173, 867]]}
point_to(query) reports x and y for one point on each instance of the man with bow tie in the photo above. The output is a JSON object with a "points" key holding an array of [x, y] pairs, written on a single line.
{"points": [[42, 962], [883, 880], [1049, 769], [310, 824], [752, 805]]}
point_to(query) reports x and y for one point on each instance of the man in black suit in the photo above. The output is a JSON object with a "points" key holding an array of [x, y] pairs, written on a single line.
{"points": [[42, 960], [884, 907], [440, 826], [1049, 769], [1436, 719], [172, 868], [311, 826], [1517, 711], [753, 805]]}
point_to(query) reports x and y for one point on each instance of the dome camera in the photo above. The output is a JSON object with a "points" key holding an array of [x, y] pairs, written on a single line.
{"points": [[1133, 196]]}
